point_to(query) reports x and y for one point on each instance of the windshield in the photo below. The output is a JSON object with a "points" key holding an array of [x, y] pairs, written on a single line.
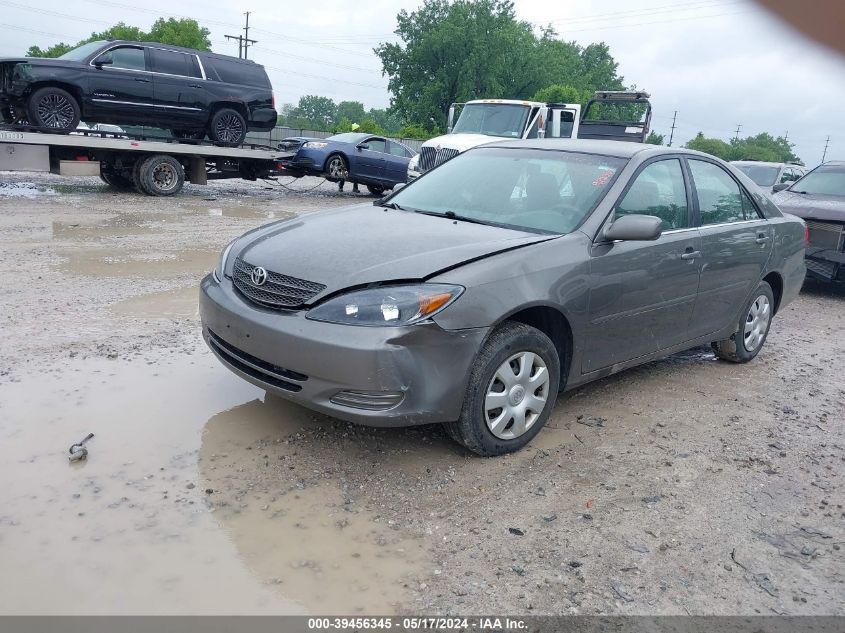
{"points": [[826, 181], [81, 52], [492, 119], [762, 175], [526, 189], [348, 137]]}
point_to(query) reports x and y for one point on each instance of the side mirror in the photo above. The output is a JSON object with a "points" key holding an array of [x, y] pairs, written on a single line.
{"points": [[781, 186], [106, 59], [364, 146], [398, 186], [634, 228]]}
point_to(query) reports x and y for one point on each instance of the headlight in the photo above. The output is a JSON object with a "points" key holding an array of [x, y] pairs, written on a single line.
{"points": [[387, 305], [220, 269], [314, 145]]}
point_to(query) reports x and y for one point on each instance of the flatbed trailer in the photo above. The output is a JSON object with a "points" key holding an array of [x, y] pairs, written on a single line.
{"points": [[154, 166]]}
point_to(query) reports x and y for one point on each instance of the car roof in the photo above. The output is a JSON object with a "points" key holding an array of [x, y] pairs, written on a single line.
{"points": [[619, 149], [766, 163], [834, 163]]}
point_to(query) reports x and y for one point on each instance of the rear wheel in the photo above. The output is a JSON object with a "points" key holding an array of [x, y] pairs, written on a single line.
{"points": [[752, 330], [511, 392], [160, 175], [376, 190], [228, 127], [53, 108]]}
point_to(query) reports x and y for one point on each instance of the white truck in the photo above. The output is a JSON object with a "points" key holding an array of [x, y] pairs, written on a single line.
{"points": [[485, 120]]}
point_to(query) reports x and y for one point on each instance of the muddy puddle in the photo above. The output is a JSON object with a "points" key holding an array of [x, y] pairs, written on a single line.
{"points": [[187, 503], [138, 263]]}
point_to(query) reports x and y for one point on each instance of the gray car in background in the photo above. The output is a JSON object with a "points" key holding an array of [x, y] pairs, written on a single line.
{"points": [[770, 176], [515, 271]]}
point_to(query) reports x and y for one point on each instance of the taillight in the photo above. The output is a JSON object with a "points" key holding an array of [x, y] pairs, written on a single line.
{"points": [[273, 100]]}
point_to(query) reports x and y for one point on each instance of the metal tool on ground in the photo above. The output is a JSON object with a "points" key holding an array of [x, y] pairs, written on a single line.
{"points": [[78, 452]]}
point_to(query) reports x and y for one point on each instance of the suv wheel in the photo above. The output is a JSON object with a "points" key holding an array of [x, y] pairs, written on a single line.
{"points": [[228, 127], [53, 108], [160, 175], [752, 330], [511, 392]]}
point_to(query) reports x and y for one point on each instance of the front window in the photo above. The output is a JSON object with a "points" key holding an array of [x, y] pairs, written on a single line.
{"points": [[659, 190], [525, 189], [81, 52], [762, 175], [825, 180], [492, 119]]}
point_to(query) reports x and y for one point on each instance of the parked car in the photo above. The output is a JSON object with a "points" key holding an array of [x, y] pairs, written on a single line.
{"points": [[190, 92], [517, 269], [370, 160], [819, 198], [770, 176]]}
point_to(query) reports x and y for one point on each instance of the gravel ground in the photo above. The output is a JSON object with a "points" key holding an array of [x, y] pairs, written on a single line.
{"points": [[686, 486]]}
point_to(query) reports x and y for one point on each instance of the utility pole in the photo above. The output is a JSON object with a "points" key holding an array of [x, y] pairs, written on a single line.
{"points": [[826, 143], [786, 136], [672, 133], [243, 40], [738, 128]]}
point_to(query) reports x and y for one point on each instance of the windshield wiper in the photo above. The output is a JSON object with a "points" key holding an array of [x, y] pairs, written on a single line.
{"points": [[387, 205], [451, 215], [796, 191]]}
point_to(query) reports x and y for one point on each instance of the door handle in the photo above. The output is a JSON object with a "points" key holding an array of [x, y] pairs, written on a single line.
{"points": [[144, 81], [691, 255], [762, 238]]}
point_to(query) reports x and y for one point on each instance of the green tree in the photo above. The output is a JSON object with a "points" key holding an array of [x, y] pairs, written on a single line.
{"points": [[713, 146], [313, 111], [182, 32], [415, 130], [764, 147], [557, 93], [654, 138], [352, 110], [388, 119]]}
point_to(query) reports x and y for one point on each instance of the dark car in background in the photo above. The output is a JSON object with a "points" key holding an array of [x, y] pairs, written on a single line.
{"points": [[368, 159], [192, 93], [513, 271], [819, 198], [770, 176]]}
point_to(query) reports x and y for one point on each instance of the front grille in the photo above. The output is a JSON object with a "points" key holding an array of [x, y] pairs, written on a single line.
{"points": [[431, 157], [279, 291], [827, 235], [255, 367]]}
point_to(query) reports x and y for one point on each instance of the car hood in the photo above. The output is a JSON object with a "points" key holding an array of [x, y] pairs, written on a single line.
{"points": [[460, 142], [810, 206], [363, 244]]}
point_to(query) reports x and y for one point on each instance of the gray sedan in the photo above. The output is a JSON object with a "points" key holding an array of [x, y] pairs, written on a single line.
{"points": [[511, 273]]}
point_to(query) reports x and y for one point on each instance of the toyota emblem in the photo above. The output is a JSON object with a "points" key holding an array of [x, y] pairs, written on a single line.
{"points": [[258, 276]]}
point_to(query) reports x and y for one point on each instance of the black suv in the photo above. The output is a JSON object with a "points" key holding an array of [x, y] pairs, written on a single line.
{"points": [[189, 92]]}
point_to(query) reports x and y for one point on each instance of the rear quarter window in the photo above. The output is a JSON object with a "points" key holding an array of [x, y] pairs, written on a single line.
{"points": [[234, 72]]}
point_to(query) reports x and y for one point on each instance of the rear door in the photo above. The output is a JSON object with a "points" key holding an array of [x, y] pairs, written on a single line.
{"points": [[736, 242], [397, 159], [642, 293], [122, 90], [371, 163], [178, 87]]}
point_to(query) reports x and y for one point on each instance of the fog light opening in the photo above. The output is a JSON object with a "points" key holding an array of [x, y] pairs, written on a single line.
{"points": [[369, 400]]}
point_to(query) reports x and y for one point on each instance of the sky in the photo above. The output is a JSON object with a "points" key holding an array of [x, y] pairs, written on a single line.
{"points": [[719, 63]]}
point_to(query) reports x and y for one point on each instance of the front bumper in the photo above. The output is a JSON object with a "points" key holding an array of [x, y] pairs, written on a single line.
{"points": [[310, 363]]}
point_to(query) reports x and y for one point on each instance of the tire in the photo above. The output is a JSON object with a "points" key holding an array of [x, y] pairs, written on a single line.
{"points": [[160, 175], [482, 430], [192, 135], [337, 168], [752, 329], [116, 180], [54, 109], [376, 190], [227, 127]]}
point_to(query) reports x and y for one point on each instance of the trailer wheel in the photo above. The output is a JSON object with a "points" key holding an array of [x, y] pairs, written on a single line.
{"points": [[53, 108], [160, 175], [228, 127], [116, 180]]}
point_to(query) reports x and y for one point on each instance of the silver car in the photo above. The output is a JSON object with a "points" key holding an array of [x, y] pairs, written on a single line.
{"points": [[513, 272]]}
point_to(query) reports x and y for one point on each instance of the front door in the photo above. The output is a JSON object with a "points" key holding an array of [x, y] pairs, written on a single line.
{"points": [[642, 293], [370, 162], [121, 91], [735, 244]]}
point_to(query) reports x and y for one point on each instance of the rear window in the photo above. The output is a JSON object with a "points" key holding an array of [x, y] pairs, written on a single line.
{"points": [[173, 63], [234, 72]]}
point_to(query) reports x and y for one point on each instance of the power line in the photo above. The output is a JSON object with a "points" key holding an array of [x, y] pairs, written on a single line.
{"points": [[644, 12], [672, 133], [243, 40], [826, 143]]}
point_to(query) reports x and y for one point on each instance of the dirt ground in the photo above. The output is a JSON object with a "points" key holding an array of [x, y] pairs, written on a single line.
{"points": [[687, 486]]}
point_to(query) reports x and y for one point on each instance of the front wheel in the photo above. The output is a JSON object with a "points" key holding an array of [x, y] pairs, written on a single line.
{"points": [[53, 108], [336, 167], [512, 389], [228, 127], [752, 330]]}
